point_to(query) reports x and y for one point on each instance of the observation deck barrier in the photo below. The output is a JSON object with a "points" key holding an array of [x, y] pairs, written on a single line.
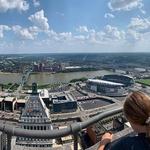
{"points": [[72, 129]]}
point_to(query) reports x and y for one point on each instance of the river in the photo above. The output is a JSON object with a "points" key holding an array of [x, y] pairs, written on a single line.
{"points": [[49, 78]]}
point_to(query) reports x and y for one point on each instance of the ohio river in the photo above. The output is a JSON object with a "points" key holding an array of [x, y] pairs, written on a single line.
{"points": [[49, 78]]}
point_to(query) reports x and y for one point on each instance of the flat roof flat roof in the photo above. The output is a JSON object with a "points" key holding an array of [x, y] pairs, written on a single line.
{"points": [[1, 99], [9, 99], [62, 127], [21, 101], [65, 98], [44, 93]]}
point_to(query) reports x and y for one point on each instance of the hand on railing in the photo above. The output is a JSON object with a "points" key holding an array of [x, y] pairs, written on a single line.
{"points": [[106, 138]]}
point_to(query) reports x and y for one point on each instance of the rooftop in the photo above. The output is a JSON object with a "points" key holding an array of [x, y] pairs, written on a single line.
{"points": [[44, 93], [119, 75], [9, 99], [104, 82], [63, 98], [73, 67], [21, 100], [1, 99]]}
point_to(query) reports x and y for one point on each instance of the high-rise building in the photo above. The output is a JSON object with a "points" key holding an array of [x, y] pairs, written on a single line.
{"points": [[40, 67], [35, 67], [35, 116]]}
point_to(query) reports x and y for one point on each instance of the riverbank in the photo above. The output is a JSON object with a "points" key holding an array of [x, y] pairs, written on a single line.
{"points": [[46, 78], [145, 82], [5, 73], [49, 78]]}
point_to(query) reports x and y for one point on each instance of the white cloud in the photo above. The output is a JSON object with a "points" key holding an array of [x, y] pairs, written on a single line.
{"points": [[138, 29], [25, 33], [109, 33], [109, 15], [2, 29], [113, 33], [109, 39], [133, 36], [126, 5], [80, 37], [36, 3], [52, 34], [39, 20], [30, 33], [86, 35], [65, 36], [20, 5], [61, 37], [82, 29], [139, 24]]}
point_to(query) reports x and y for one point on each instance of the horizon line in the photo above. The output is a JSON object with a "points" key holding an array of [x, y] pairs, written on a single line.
{"points": [[73, 53]]}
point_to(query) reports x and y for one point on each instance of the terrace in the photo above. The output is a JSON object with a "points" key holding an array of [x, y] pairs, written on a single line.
{"points": [[72, 129]]}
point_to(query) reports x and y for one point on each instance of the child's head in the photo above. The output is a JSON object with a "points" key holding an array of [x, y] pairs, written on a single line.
{"points": [[137, 109]]}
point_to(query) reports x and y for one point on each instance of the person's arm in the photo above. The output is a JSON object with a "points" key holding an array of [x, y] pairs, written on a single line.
{"points": [[106, 138]]}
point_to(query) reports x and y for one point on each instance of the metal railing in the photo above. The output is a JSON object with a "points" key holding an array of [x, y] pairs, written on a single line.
{"points": [[72, 129]]}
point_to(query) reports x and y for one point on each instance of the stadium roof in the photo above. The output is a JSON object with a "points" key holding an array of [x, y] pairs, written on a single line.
{"points": [[124, 75], [73, 67], [104, 82]]}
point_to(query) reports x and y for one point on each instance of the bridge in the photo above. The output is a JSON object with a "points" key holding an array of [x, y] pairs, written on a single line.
{"points": [[24, 79]]}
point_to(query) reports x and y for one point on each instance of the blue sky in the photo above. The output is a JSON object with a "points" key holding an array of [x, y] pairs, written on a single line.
{"points": [[48, 26]]}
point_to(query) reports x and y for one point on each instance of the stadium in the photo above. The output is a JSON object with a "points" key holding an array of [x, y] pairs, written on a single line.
{"points": [[107, 88], [123, 79]]}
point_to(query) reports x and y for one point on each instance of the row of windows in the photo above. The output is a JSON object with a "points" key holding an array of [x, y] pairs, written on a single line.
{"points": [[32, 145], [37, 127], [35, 120], [33, 113], [31, 139]]}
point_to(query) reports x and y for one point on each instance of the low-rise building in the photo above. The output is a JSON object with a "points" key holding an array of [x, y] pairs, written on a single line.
{"points": [[9, 103], [64, 103], [20, 104], [44, 94], [112, 124], [1, 103]]}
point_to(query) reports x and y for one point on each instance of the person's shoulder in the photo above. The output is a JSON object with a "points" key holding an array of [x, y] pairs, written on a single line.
{"points": [[129, 142], [116, 145]]}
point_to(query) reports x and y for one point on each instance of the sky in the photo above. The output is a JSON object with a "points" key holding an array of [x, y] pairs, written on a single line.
{"points": [[74, 26]]}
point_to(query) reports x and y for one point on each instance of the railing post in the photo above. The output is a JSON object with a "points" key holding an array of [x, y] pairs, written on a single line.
{"points": [[75, 144], [9, 141]]}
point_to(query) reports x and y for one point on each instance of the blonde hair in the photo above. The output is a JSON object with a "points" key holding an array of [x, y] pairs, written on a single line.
{"points": [[137, 109]]}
